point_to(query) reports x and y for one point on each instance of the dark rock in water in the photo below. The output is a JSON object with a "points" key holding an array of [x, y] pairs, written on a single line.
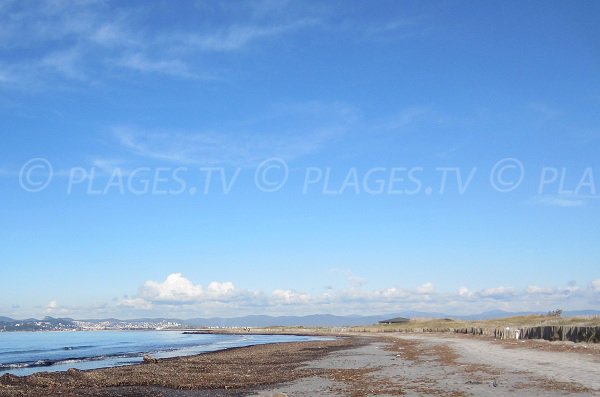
{"points": [[148, 359]]}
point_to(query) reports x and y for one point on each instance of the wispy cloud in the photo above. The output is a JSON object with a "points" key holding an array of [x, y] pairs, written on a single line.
{"points": [[426, 288], [67, 63], [117, 33], [547, 112], [4, 77], [141, 63], [399, 28], [214, 148], [244, 143], [564, 201], [404, 118], [553, 291], [353, 280], [237, 37], [75, 39]]}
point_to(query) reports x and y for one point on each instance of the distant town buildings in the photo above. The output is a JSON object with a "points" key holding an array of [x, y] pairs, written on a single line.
{"points": [[53, 324]]}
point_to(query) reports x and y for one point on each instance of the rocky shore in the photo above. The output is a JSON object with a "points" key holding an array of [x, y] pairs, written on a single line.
{"points": [[223, 373]]}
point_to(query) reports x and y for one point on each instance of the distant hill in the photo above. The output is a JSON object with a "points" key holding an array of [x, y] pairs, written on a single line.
{"points": [[315, 320], [581, 313], [329, 320], [488, 315], [492, 314]]}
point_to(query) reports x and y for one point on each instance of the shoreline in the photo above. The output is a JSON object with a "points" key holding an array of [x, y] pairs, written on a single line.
{"points": [[357, 364], [115, 359], [222, 372]]}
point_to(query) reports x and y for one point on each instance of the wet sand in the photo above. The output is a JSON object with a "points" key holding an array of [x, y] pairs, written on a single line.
{"points": [[361, 365]]}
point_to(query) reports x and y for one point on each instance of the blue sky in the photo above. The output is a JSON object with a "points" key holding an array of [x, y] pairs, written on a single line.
{"points": [[377, 156]]}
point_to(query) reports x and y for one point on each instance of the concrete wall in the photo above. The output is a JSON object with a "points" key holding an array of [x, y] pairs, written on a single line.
{"points": [[551, 333]]}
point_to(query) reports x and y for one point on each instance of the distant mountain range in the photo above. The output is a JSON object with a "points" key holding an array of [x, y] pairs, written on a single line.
{"points": [[329, 320], [316, 320]]}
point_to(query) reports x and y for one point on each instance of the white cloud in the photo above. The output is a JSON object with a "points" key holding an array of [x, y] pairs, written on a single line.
{"points": [[217, 289], [289, 297], [393, 293], [175, 288], [136, 303], [496, 293], [52, 305], [426, 288], [54, 309], [552, 291], [178, 290], [177, 295], [534, 289]]}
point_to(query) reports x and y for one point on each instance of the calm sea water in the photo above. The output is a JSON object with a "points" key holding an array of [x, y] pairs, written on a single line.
{"points": [[23, 353]]}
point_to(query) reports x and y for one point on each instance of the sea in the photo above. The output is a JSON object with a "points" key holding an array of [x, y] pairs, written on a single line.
{"points": [[24, 353]]}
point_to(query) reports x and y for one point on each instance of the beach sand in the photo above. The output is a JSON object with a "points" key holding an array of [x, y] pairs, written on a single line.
{"points": [[360, 365]]}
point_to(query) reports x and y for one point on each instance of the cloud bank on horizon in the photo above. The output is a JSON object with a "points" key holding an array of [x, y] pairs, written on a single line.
{"points": [[178, 296], [430, 157]]}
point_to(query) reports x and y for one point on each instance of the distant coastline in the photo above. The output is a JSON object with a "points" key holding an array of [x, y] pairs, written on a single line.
{"points": [[252, 321]]}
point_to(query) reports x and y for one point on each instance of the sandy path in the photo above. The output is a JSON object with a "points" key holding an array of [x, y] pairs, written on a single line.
{"points": [[440, 365], [580, 368]]}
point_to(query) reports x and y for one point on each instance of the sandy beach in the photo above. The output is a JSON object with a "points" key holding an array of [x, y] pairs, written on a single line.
{"points": [[359, 365], [448, 365]]}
